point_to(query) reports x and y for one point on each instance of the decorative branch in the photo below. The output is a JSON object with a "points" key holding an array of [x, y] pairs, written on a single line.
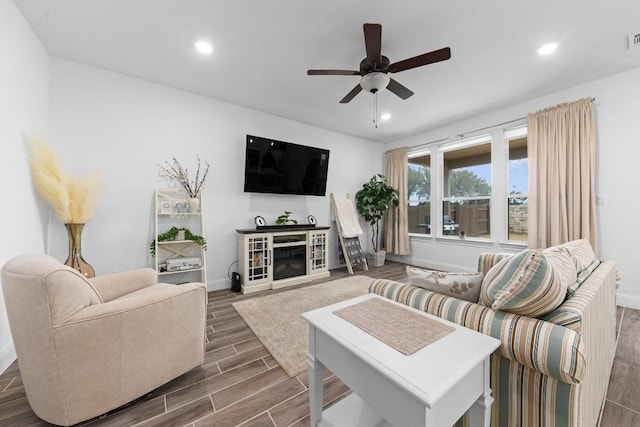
{"points": [[175, 172]]}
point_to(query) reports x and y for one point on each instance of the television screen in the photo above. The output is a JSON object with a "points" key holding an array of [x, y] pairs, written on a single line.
{"points": [[284, 168]]}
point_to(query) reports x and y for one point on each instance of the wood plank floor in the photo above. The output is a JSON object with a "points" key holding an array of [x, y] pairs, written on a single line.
{"points": [[240, 384]]}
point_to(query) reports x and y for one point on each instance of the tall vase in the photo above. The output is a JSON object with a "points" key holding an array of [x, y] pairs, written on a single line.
{"points": [[75, 260], [194, 204]]}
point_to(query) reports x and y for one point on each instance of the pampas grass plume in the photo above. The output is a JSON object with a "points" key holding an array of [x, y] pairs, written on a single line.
{"points": [[72, 199], [83, 196]]}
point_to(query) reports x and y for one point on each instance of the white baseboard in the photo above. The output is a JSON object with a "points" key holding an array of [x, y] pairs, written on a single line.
{"points": [[7, 356], [629, 301], [218, 284]]}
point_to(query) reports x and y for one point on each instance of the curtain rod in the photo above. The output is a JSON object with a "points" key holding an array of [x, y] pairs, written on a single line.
{"points": [[462, 135]]}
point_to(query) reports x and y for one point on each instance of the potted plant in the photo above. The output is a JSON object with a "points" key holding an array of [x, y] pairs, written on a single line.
{"points": [[285, 219], [375, 197], [176, 233]]}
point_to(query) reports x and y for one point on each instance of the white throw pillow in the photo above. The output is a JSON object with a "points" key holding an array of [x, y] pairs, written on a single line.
{"points": [[464, 286]]}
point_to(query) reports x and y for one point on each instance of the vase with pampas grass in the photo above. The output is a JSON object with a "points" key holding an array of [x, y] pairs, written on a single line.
{"points": [[73, 199]]}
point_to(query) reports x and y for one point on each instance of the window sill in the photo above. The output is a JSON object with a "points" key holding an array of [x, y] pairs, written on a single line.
{"points": [[467, 241], [452, 240], [420, 236], [513, 245]]}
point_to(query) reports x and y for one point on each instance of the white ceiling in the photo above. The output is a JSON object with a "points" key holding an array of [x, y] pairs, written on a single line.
{"points": [[263, 48]]}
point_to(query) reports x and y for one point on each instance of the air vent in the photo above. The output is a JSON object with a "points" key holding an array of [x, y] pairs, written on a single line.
{"points": [[634, 40]]}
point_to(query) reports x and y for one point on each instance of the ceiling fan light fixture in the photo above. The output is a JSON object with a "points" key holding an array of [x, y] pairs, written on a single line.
{"points": [[374, 82]]}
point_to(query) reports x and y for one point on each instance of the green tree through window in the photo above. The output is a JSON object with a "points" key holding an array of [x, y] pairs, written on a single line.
{"points": [[465, 183], [419, 182]]}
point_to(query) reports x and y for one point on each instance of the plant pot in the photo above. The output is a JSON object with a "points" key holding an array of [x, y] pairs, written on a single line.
{"points": [[376, 259]]}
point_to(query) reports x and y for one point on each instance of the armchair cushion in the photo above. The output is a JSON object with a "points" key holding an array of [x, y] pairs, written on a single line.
{"points": [[115, 285]]}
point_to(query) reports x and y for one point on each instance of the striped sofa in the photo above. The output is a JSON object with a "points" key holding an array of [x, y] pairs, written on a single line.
{"points": [[546, 372]]}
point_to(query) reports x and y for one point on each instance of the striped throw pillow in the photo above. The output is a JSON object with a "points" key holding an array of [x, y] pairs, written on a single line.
{"points": [[562, 260], [582, 252], [524, 284]]}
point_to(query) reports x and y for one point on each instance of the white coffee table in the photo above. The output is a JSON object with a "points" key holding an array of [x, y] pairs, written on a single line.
{"points": [[434, 386]]}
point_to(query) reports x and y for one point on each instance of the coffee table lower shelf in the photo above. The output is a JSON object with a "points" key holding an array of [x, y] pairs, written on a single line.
{"points": [[352, 411]]}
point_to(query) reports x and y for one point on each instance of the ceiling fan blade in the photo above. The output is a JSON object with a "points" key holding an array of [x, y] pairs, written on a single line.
{"points": [[373, 43], [356, 90], [420, 60], [400, 90], [332, 73]]}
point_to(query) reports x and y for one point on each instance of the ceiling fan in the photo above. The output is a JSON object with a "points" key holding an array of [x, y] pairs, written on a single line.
{"points": [[375, 68]]}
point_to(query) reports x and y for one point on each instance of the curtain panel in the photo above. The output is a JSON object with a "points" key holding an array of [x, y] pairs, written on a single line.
{"points": [[396, 225], [561, 149]]}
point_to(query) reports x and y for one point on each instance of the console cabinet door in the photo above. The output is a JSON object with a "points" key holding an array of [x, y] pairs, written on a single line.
{"points": [[318, 255], [256, 252]]}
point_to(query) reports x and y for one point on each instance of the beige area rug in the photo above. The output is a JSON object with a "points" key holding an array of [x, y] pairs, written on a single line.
{"points": [[276, 319]]}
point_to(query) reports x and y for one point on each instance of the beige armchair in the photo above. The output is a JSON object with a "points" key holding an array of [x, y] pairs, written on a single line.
{"points": [[86, 347]]}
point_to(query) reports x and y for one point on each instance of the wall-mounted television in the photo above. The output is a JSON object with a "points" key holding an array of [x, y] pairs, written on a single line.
{"points": [[279, 167]]}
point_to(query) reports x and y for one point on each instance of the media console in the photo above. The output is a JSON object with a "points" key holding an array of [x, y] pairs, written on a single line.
{"points": [[276, 257]]}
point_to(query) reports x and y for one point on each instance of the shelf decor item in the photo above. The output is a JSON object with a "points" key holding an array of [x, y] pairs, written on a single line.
{"points": [[174, 171], [194, 205], [73, 199]]}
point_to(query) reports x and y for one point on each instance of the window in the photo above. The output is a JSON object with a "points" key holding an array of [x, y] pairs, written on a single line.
{"points": [[466, 188], [518, 190], [476, 185], [419, 191]]}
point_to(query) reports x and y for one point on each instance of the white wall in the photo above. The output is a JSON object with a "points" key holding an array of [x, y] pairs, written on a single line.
{"points": [[617, 108], [127, 126], [24, 106]]}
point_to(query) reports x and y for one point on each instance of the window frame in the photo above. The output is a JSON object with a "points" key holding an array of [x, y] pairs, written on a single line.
{"points": [[485, 139], [508, 136], [499, 136], [413, 155]]}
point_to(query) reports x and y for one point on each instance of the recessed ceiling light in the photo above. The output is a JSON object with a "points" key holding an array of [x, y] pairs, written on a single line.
{"points": [[204, 47], [385, 116], [548, 49]]}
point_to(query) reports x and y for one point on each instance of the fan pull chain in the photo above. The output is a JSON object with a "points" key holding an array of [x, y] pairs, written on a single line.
{"points": [[375, 109]]}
